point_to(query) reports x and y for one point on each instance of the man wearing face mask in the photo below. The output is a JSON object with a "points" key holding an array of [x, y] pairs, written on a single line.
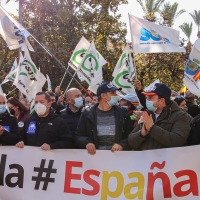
{"points": [[72, 112], [44, 128], [9, 133], [164, 125], [55, 105], [104, 126]]}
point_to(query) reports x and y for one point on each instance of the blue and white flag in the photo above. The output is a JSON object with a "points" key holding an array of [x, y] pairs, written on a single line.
{"points": [[192, 70], [13, 32], [148, 37]]}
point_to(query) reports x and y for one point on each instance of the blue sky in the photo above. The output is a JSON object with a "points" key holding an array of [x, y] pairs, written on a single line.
{"points": [[134, 8]]}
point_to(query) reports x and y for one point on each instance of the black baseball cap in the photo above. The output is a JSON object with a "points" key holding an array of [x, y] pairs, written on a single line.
{"points": [[106, 87], [158, 89]]}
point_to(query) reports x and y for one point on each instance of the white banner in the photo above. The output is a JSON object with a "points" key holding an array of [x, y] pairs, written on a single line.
{"points": [[31, 173], [148, 37]]}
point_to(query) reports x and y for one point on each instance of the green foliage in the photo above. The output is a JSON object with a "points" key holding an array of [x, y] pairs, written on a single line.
{"points": [[169, 13], [196, 17], [150, 8], [187, 29]]}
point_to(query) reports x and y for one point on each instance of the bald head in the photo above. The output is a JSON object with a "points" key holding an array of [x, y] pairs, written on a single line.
{"points": [[73, 91], [88, 100], [72, 94], [2, 100]]}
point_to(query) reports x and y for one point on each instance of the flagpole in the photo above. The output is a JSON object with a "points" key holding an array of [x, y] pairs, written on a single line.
{"points": [[132, 47], [70, 82], [63, 77], [11, 91]]}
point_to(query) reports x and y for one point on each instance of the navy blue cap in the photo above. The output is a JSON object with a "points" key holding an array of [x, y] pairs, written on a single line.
{"points": [[158, 89], [106, 87]]}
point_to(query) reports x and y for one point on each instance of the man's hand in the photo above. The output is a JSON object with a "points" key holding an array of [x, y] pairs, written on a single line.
{"points": [[137, 84], [46, 147], [144, 131], [1, 130], [148, 121], [137, 114], [60, 99], [116, 147], [57, 90], [91, 148], [20, 144]]}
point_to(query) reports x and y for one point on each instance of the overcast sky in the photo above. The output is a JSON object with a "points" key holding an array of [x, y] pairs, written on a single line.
{"points": [[134, 8]]}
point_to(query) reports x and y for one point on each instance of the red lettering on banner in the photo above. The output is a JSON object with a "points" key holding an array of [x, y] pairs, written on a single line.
{"points": [[165, 180], [69, 176], [193, 182], [90, 181]]}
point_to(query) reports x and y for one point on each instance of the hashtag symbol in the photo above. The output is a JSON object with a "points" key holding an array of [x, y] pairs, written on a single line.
{"points": [[46, 179]]}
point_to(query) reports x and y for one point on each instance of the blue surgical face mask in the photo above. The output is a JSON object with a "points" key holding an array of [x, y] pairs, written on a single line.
{"points": [[78, 102], [2, 109], [150, 106], [113, 101]]}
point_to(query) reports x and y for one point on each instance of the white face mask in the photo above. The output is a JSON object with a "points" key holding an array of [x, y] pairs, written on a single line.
{"points": [[40, 109]]}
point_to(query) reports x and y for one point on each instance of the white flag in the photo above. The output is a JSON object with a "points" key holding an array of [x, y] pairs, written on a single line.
{"points": [[48, 82], [123, 81], [125, 58], [149, 88], [13, 32], [12, 74], [148, 37], [90, 68], [79, 53], [192, 70], [29, 80]]}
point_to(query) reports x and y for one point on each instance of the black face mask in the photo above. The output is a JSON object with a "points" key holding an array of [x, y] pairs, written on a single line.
{"points": [[54, 105], [12, 111]]}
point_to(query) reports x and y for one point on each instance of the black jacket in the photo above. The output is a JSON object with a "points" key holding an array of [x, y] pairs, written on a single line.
{"points": [[87, 128], [193, 109], [10, 134], [71, 118], [52, 130]]}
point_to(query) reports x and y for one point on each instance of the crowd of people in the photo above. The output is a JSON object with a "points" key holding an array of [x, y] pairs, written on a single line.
{"points": [[108, 120]]}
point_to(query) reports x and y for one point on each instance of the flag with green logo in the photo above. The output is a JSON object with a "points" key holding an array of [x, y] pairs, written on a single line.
{"points": [[89, 66], [12, 74], [125, 58], [79, 54], [29, 80], [123, 81]]}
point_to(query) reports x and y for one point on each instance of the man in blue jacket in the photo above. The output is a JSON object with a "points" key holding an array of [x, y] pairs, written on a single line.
{"points": [[44, 128]]}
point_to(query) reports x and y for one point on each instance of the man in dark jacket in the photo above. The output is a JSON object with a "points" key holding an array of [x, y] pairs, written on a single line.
{"points": [[165, 126], [193, 109], [104, 126], [72, 112], [9, 134], [45, 129]]}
